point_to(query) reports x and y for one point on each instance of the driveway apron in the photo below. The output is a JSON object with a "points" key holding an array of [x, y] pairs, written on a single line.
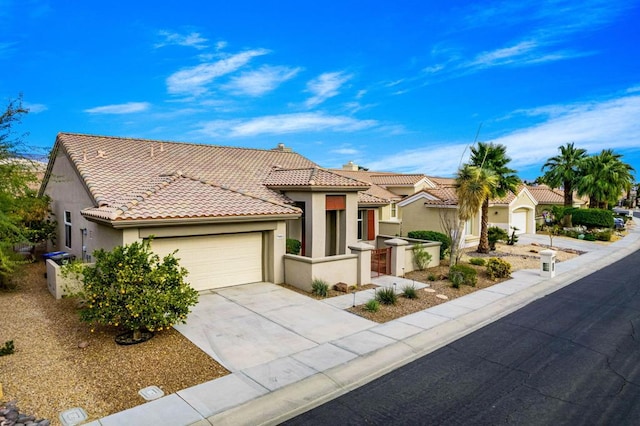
{"points": [[260, 324]]}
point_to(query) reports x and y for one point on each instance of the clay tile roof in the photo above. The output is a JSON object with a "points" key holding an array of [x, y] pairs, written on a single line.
{"points": [[144, 177], [442, 181], [445, 196], [546, 195], [313, 176], [393, 179]]}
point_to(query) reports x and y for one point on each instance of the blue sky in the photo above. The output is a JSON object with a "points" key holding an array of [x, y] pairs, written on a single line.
{"points": [[400, 86]]}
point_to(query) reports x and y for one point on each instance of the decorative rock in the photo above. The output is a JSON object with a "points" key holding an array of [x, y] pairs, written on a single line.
{"points": [[442, 296], [429, 290], [11, 416], [83, 344], [343, 287]]}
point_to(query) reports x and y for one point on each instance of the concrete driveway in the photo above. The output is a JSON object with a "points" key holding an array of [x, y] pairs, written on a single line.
{"points": [[247, 326]]}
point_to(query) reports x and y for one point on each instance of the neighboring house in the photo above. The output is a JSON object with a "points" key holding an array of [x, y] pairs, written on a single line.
{"points": [[547, 198], [514, 211], [228, 211]]}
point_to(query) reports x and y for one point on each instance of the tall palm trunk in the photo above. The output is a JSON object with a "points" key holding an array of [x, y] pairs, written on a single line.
{"points": [[568, 194], [483, 245]]}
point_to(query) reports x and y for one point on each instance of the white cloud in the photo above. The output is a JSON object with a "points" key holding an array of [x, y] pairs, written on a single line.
{"points": [[192, 39], [192, 80], [609, 123], [285, 123], [325, 86], [261, 81], [345, 151], [35, 108], [128, 108], [505, 55]]}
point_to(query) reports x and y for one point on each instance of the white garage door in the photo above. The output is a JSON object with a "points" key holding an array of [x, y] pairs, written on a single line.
{"points": [[216, 261], [519, 220]]}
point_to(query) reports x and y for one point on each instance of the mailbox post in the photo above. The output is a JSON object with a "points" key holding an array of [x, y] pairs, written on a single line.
{"points": [[548, 263]]}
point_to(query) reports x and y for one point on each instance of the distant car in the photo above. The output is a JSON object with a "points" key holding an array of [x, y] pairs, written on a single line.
{"points": [[618, 222]]}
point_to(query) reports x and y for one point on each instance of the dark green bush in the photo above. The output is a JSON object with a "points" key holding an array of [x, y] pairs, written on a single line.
{"points": [[431, 277], [410, 292], [498, 268], [8, 348], [433, 236], [387, 296], [591, 218], [372, 306], [469, 275], [495, 234], [589, 237], [293, 246], [319, 287], [478, 261]]}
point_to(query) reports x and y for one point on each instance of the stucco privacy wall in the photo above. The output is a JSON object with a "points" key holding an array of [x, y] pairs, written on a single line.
{"points": [[301, 270], [66, 189]]}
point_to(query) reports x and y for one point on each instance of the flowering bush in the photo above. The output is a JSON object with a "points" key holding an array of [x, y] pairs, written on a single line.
{"points": [[132, 287]]}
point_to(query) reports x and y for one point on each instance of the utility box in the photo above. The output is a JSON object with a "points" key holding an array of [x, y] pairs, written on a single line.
{"points": [[548, 263]]}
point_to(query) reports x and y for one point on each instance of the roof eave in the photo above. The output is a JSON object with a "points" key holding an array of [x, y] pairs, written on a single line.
{"points": [[143, 223]]}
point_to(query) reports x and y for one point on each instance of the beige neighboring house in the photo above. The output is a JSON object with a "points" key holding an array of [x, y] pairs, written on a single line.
{"points": [[548, 197], [515, 210], [227, 210]]}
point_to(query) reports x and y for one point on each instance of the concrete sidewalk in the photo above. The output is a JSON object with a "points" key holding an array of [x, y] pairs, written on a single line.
{"points": [[289, 353]]}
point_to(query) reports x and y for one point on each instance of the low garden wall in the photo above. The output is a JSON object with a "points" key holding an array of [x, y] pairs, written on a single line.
{"points": [[300, 271], [59, 285]]}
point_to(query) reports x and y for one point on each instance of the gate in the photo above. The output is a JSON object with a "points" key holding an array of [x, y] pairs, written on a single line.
{"points": [[381, 261]]}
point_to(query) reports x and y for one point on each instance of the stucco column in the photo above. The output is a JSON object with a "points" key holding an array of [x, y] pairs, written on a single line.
{"points": [[363, 251], [397, 255]]}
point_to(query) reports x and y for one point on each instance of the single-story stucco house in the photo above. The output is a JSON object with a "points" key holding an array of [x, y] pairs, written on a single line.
{"points": [[227, 210]]}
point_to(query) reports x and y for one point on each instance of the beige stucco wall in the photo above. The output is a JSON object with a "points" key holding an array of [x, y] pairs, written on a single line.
{"points": [[432, 248], [416, 217], [390, 227], [67, 193], [301, 271]]}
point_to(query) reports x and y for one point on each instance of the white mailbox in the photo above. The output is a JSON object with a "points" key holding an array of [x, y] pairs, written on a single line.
{"points": [[548, 263]]}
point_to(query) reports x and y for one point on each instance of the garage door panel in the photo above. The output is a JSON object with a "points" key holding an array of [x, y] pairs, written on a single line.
{"points": [[218, 260], [519, 220]]}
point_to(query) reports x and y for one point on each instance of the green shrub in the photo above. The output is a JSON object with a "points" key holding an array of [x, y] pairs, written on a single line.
{"points": [[432, 236], [498, 268], [604, 235], [456, 278], [421, 256], [372, 306], [431, 277], [495, 234], [132, 287], [320, 287], [293, 246], [589, 237], [591, 218], [478, 261], [387, 296], [469, 275], [410, 292], [7, 349]]}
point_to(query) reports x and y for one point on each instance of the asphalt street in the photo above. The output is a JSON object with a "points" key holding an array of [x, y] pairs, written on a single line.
{"points": [[572, 357]]}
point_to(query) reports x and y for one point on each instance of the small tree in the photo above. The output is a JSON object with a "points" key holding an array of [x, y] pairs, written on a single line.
{"points": [[496, 234], [131, 287]]}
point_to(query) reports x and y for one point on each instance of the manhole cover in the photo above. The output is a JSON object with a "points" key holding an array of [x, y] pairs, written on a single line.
{"points": [[73, 416], [151, 392]]}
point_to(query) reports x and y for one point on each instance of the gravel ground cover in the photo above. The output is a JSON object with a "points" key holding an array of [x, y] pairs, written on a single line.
{"points": [[50, 372], [519, 256]]}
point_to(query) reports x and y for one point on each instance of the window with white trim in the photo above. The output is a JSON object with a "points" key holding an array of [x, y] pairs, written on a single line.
{"points": [[394, 210], [67, 229]]}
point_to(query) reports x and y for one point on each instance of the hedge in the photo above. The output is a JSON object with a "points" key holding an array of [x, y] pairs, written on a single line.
{"points": [[591, 218], [432, 236]]}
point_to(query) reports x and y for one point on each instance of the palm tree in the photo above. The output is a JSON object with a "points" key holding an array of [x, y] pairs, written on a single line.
{"points": [[493, 157], [604, 179], [564, 170], [473, 185]]}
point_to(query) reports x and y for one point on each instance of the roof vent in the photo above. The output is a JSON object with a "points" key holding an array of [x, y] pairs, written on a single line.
{"points": [[101, 154], [282, 148]]}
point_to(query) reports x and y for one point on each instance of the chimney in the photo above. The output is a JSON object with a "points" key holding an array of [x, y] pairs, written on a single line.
{"points": [[282, 148], [350, 166]]}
